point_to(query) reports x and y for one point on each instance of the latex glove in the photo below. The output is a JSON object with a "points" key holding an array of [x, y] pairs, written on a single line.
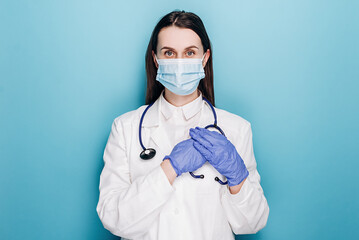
{"points": [[221, 154], [185, 158]]}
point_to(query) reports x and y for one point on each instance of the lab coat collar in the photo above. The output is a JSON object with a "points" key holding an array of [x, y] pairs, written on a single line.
{"points": [[156, 131], [152, 116], [189, 110]]}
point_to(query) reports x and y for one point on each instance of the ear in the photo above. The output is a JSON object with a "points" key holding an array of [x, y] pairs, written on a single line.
{"points": [[154, 59], [208, 53]]}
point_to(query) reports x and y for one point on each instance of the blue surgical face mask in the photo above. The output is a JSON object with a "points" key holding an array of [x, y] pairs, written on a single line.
{"points": [[180, 75]]}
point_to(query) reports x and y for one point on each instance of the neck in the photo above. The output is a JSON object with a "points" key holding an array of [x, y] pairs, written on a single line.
{"points": [[179, 100]]}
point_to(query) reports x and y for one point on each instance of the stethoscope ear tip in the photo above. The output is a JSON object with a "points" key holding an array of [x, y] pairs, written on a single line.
{"points": [[219, 180]]}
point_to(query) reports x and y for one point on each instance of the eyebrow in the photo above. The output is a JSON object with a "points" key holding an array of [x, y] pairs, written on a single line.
{"points": [[193, 46]]}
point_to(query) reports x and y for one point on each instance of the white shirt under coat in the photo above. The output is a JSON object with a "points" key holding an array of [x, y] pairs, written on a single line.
{"points": [[137, 200]]}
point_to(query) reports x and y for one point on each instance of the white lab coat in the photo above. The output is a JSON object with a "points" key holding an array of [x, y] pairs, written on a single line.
{"points": [[138, 202]]}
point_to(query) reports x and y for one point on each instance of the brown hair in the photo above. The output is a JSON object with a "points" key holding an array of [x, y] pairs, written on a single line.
{"points": [[180, 19]]}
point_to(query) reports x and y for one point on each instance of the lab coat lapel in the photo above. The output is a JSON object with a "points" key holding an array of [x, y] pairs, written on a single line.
{"points": [[206, 117], [160, 138], [155, 131]]}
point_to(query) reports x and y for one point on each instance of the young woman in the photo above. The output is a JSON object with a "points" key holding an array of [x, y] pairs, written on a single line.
{"points": [[177, 167]]}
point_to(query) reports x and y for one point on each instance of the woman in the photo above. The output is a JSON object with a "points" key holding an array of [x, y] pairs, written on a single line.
{"points": [[160, 193]]}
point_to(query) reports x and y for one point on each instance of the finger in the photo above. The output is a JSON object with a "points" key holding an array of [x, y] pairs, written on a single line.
{"points": [[211, 136], [195, 134], [214, 133], [202, 150]]}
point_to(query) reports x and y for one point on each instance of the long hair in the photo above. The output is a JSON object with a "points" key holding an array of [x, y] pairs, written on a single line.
{"points": [[180, 19]]}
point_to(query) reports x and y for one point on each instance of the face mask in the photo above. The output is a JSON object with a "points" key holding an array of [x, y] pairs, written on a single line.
{"points": [[180, 75]]}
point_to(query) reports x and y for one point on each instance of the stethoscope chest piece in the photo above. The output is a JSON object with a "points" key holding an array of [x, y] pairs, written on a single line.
{"points": [[148, 153]]}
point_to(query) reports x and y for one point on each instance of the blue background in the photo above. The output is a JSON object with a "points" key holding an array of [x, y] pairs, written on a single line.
{"points": [[68, 68]]}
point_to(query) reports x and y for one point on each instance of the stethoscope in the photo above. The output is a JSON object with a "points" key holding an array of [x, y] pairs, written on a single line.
{"points": [[149, 153]]}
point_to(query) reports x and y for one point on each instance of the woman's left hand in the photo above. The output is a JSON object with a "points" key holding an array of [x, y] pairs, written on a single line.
{"points": [[220, 153]]}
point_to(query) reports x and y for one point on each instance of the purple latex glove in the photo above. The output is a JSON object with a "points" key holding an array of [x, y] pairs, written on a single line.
{"points": [[220, 153], [185, 158]]}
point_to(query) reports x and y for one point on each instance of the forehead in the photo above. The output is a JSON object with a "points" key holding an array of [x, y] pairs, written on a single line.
{"points": [[178, 38]]}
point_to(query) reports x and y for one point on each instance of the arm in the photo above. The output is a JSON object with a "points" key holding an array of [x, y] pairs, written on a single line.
{"points": [[128, 208], [247, 208], [235, 189]]}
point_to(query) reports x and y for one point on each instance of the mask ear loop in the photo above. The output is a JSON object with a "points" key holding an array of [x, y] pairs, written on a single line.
{"points": [[203, 56]]}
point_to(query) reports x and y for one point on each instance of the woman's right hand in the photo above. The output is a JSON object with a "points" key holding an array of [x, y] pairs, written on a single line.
{"points": [[185, 158]]}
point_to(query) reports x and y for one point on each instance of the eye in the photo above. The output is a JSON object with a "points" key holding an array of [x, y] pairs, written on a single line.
{"points": [[191, 53], [169, 52]]}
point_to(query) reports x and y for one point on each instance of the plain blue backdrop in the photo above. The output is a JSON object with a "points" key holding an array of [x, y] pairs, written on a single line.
{"points": [[68, 68]]}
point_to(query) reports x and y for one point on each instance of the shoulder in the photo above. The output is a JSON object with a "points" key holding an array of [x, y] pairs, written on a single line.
{"points": [[129, 117]]}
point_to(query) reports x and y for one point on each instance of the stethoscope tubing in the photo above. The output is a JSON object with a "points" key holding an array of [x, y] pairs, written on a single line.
{"points": [[149, 153]]}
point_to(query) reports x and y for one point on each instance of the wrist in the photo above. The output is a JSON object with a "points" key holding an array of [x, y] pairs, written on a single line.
{"points": [[235, 189], [173, 165], [169, 170], [239, 178]]}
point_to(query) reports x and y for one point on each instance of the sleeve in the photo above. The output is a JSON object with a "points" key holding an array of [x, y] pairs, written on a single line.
{"points": [[126, 208], [247, 211]]}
